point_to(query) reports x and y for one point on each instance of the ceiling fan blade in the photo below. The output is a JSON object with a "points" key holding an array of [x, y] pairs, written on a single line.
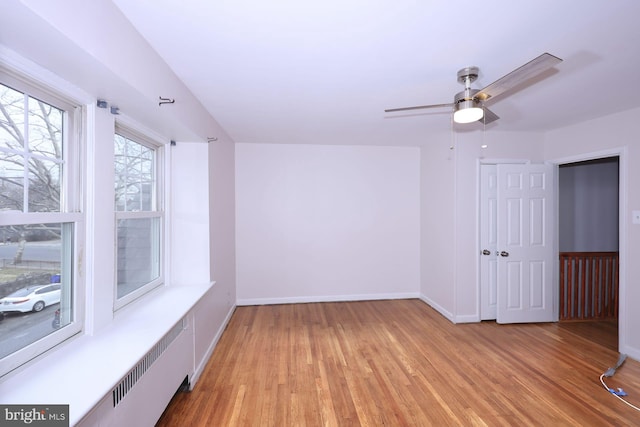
{"points": [[519, 75], [418, 107], [489, 116]]}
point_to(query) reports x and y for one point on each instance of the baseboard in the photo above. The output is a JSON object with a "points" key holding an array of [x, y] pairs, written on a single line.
{"points": [[632, 352], [325, 298], [447, 314], [203, 363], [469, 318]]}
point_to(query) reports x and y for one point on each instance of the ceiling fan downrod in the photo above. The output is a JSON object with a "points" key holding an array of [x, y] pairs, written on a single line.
{"points": [[466, 76]]}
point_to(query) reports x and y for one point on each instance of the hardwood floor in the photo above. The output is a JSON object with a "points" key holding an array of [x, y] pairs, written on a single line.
{"points": [[400, 363]]}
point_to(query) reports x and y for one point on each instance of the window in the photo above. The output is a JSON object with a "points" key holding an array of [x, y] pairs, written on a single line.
{"points": [[40, 220], [138, 216]]}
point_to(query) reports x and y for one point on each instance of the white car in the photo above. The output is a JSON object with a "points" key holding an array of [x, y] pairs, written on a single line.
{"points": [[33, 298]]}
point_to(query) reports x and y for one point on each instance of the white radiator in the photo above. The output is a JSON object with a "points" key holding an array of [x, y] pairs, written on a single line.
{"points": [[141, 396]]}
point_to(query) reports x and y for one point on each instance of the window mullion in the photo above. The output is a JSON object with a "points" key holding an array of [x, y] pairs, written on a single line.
{"points": [[25, 152], [139, 214]]}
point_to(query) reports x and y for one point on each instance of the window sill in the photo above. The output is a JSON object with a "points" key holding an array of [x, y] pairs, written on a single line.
{"points": [[81, 371]]}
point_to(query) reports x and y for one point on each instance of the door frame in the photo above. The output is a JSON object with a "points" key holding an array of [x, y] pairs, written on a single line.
{"points": [[621, 153]]}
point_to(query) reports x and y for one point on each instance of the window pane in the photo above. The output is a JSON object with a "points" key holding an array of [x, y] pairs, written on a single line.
{"points": [[11, 182], [35, 283], [138, 253], [11, 119], [135, 176], [44, 185], [45, 129], [42, 156]]}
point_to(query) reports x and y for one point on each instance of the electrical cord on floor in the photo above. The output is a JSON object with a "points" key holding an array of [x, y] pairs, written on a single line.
{"points": [[619, 393]]}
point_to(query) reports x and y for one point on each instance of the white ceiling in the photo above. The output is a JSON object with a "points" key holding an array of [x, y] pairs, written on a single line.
{"points": [[290, 71]]}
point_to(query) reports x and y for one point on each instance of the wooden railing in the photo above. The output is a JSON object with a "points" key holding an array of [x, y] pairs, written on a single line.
{"points": [[588, 285]]}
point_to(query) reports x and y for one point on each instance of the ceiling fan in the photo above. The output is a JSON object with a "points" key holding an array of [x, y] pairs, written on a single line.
{"points": [[468, 105]]}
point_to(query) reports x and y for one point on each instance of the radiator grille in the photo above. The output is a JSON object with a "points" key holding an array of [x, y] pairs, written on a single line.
{"points": [[126, 384]]}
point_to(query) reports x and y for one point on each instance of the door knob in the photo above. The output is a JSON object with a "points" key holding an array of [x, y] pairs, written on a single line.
{"points": [[486, 252], [504, 253]]}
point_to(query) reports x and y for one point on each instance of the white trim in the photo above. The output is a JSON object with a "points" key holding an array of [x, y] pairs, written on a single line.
{"points": [[34, 81], [325, 298], [456, 258], [139, 134], [19, 218], [503, 161], [138, 214], [89, 203], [133, 129], [621, 153], [556, 242], [478, 243], [119, 303], [594, 155], [164, 198], [446, 313], [467, 318]]}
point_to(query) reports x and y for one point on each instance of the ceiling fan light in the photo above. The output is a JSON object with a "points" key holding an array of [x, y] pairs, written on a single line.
{"points": [[467, 112]]}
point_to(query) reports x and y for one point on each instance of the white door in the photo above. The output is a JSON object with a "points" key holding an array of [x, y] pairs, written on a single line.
{"points": [[488, 241], [525, 243]]}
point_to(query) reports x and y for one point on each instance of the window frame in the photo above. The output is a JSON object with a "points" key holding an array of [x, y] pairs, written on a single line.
{"points": [[131, 130], [33, 82]]}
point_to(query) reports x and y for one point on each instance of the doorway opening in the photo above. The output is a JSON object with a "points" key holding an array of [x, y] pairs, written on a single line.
{"points": [[588, 232]]}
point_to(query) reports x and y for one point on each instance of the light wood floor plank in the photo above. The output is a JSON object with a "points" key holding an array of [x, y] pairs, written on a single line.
{"points": [[400, 363]]}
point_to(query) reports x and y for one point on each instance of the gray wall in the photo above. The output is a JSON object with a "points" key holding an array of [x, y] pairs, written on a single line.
{"points": [[588, 206]]}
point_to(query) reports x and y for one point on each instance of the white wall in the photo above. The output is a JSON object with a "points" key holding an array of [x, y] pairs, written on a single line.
{"points": [[189, 214], [213, 312], [326, 222], [222, 217], [611, 135], [437, 207]]}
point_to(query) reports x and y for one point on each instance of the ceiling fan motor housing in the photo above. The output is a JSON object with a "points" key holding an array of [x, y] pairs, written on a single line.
{"points": [[469, 74], [466, 107]]}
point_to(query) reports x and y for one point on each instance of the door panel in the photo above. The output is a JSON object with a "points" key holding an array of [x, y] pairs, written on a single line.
{"points": [[514, 277], [525, 243], [514, 222], [488, 241]]}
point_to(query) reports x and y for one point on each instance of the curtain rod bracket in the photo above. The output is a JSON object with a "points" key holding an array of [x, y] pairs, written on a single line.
{"points": [[165, 101]]}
